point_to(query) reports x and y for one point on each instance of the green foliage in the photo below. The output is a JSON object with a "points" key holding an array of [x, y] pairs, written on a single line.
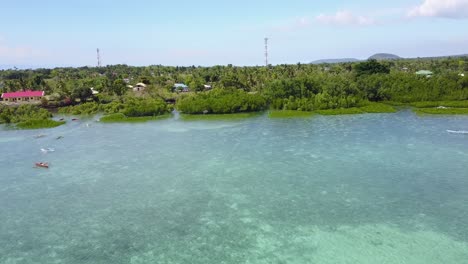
{"points": [[195, 83], [301, 87], [371, 67], [113, 117], [218, 117], [442, 111], [82, 93], [113, 107], [455, 104], [81, 109], [22, 113], [103, 98], [134, 107], [378, 108], [393, 103], [39, 123], [289, 114], [131, 107], [121, 118], [313, 92], [119, 87], [341, 111], [27, 117], [221, 101]]}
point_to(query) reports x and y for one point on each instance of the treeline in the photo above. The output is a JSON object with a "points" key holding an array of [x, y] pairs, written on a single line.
{"points": [[248, 78], [22, 113], [27, 116], [242, 89], [324, 91], [128, 106], [222, 101]]}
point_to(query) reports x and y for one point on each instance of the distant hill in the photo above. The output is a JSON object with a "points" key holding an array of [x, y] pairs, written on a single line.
{"points": [[442, 57], [384, 56], [331, 61]]}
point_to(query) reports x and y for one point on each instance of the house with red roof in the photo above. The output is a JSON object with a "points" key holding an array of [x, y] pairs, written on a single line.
{"points": [[23, 96]]}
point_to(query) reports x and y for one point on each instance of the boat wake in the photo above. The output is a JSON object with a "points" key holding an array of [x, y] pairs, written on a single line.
{"points": [[457, 131], [47, 150]]}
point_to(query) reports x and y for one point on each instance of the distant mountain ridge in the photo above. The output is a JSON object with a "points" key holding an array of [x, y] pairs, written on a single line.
{"points": [[384, 56], [443, 57], [378, 56], [331, 61]]}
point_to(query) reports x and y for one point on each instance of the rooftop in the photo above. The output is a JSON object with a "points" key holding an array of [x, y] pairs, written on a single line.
{"points": [[180, 85], [23, 94], [424, 72]]}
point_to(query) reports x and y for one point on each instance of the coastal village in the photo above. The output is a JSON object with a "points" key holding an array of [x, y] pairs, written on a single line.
{"points": [[27, 96], [38, 97]]}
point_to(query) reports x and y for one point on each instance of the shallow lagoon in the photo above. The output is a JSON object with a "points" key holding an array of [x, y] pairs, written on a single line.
{"points": [[376, 188]]}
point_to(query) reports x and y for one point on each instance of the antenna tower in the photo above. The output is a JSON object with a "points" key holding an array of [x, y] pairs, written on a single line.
{"points": [[98, 58], [266, 52]]}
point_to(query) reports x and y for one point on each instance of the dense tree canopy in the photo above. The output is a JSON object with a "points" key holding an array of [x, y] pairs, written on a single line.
{"points": [[371, 67], [299, 86]]}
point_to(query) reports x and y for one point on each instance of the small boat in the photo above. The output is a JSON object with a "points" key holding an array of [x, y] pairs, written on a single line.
{"points": [[61, 119], [42, 165], [59, 137], [74, 119], [40, 136]]}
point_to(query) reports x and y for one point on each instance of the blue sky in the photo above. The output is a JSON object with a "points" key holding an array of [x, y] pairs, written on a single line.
{"points": [[209, 32]]}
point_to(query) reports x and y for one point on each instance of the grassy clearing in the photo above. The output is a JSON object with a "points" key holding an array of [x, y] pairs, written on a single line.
{"points": [[289, 114], [39, 123], [394, 103], [378, 108], [121, 118], [369, 108], [215, 117], [455, 104], [341, 111], [439, 111]]}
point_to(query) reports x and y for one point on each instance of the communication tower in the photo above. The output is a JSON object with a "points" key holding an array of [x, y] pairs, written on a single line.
{"points": [[98, 58]]}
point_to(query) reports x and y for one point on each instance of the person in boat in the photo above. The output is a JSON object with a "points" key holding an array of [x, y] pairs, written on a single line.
{"points": [[42, 164]]}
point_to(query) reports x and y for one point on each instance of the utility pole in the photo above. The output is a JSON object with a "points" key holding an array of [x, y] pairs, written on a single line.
{"points": [[98, 58], [266, 52]]}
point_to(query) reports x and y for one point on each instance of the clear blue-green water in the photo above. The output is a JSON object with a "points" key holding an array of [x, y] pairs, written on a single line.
{"points": [[385, 188]]}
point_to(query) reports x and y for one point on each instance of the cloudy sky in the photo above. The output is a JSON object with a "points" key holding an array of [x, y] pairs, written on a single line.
{"points": [[209, 32]]}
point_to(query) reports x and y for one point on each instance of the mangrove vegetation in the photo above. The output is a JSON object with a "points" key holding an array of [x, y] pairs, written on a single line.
{"points": [[123, 91]]}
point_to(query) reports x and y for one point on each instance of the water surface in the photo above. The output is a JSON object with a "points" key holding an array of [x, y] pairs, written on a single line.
{"points": [[384, 188]]}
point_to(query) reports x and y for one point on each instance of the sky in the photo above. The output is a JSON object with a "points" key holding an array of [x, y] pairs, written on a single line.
{"points": [[51, 33]]}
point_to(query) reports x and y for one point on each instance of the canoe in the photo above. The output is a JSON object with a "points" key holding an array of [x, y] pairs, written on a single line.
{"points": [[42, 165]]}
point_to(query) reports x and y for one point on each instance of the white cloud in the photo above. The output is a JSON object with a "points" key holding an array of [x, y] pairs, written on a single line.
{"points": [[345, 18], [441, 8]]}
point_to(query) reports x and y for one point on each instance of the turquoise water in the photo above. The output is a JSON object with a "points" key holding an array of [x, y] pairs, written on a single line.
{"points": [[385, 188]]}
